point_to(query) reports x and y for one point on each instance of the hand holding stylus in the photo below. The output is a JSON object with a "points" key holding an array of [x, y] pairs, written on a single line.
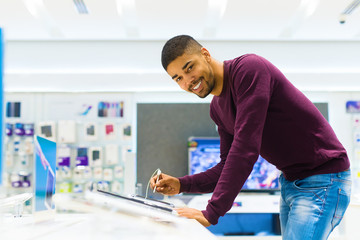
{"points": [[157, 179], [165, 184]]}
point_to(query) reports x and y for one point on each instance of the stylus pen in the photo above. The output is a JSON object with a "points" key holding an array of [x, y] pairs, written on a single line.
{"points": [[157, 178]]}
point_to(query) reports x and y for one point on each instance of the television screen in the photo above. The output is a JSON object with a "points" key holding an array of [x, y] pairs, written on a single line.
{"points": [[204, 153]]}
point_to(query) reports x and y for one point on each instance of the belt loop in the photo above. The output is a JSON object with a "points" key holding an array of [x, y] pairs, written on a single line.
{"points": [[339, 174]]}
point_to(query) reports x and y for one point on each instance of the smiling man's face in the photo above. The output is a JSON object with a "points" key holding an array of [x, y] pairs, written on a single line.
{"points": [[193, 73]]}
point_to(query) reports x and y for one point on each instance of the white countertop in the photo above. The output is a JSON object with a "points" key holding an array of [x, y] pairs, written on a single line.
{"points": [[100, 226]]}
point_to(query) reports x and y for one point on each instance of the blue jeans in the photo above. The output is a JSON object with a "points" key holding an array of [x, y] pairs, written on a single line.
{"points": [[312, 207]]}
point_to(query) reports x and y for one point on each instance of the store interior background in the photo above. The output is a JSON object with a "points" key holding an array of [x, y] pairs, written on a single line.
{"points": [[59, 56]]}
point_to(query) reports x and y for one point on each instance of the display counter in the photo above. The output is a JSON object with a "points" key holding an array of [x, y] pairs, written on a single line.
{"points": [[102, 218], [100, 226]]}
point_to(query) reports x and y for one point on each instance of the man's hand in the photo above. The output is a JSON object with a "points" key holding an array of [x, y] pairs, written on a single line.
{"points": [[193, 214], [166, 185]]}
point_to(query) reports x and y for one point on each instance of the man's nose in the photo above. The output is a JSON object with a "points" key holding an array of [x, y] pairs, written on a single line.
{"points": [[189, 81]]}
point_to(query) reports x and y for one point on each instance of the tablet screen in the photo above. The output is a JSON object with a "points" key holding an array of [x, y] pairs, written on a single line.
{"points": [[168, 207]]}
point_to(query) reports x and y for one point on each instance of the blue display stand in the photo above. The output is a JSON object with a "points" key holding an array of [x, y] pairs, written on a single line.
{"points": [[45, 173], [1, 108]]}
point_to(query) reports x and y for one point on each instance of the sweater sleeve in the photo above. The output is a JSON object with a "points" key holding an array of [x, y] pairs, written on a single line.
{"points": [[251, 82]]}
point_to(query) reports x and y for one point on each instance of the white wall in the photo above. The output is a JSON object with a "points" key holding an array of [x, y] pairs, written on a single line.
{"points": [[134, 66]]}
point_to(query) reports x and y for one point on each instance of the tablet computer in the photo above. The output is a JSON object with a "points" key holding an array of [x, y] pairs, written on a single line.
{"points": [[152, 203]]}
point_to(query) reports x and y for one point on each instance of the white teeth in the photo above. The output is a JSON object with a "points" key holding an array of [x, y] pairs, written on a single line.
{"points": [[197, 86]]}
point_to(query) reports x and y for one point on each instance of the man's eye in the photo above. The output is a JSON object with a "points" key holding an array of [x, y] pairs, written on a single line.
{"points": [[189, 69], [178, 79]]}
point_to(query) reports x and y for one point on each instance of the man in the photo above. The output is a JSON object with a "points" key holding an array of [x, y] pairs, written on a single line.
{"points": [[258, 111]]}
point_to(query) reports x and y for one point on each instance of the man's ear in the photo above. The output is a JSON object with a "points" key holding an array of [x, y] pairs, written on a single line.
{"points": [[206, 54]]}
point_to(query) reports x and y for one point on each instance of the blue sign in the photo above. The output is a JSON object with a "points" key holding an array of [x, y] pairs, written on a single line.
{"points": [[45, 170]]}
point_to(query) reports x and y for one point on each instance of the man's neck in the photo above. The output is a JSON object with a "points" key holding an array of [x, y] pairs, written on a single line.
{"points": [[218, 68]]}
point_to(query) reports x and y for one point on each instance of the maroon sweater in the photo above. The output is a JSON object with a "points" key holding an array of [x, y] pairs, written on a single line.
{"points": [[260, 112]]}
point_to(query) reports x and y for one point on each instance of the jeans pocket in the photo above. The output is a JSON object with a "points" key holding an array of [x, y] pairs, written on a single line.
{"points": [[316, 182], [341, 206], [314, 187]]}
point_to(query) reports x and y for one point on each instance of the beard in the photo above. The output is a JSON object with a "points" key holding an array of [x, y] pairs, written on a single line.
{"points": [[208, 85], [207, 88]]}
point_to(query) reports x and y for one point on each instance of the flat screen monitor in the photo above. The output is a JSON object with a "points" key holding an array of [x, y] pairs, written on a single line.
{"points": [[204, 153]]}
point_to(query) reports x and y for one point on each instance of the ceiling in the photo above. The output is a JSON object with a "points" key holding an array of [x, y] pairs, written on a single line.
{"points": [[162, 19]]}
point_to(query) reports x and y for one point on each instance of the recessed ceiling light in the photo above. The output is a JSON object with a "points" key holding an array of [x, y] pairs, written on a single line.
{"points": [[348, 10], [81, 7]]}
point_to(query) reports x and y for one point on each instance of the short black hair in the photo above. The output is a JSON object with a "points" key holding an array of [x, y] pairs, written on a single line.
{"points": [[177, 46]]}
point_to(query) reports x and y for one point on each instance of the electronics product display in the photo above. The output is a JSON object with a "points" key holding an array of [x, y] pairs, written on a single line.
{"points": [[204, 153], [13, 109], [90, 147], [18, 157], [82, 157], [90, 131], [47, 130], [64, 155], [66, 131], [111, 154], [95, 156], [87, 161], [111, 109], [109, 131], [76, 166]]}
